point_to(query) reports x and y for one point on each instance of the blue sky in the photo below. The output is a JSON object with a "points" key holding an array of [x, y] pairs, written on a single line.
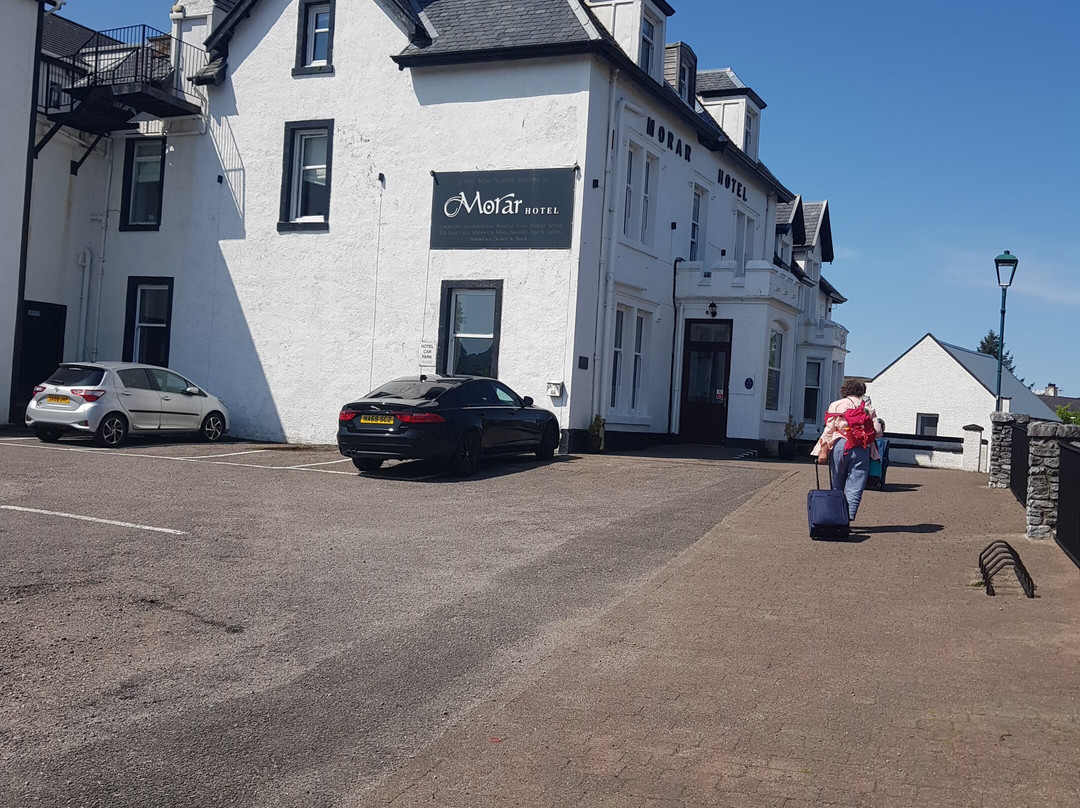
{"points": [[942, 133]]}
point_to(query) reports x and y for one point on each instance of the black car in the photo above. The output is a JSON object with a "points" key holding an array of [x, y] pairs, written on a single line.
{"points": [[454, 419]]}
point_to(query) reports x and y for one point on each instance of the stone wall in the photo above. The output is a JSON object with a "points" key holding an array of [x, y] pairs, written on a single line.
{"points": [[1044, 460], [1001, 446]]}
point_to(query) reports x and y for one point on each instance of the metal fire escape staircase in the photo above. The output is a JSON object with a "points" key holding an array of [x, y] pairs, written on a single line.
{"points": [[116, 79]]}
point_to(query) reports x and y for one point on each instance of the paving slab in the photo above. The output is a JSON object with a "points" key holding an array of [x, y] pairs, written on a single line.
{"points": [[760, 668]]}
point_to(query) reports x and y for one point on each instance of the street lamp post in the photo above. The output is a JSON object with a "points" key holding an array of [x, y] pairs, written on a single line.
{"points": [[1006, 270]]}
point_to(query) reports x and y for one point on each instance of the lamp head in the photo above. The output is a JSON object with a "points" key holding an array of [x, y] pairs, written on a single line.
{"points": [[712, 309], [1006, 268]]}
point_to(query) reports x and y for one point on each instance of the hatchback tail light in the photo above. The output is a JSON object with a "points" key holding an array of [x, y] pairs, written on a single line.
{"points": [[419, 417], [39, 389], [345, 415], [88, 395]]}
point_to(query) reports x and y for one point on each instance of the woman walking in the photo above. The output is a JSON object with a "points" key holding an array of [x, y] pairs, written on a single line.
{"points": [[849, 442]]}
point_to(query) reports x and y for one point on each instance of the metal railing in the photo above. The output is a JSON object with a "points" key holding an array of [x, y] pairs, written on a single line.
{"points": [[135, 55], [1067, 533], [1018, 474]]}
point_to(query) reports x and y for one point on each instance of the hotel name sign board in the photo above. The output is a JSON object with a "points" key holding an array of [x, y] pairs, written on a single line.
{"points": [[531, 209]]}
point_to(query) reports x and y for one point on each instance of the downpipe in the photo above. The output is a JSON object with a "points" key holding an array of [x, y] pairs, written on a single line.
{"points": [[104, 219], [674, 341], [86, 261]]}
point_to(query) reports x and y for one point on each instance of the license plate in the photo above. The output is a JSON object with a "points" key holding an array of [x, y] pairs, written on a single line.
{"points": [[376, 419], [58, 399]]}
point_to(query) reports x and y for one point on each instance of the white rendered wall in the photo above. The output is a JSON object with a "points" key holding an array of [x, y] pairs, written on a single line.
{"points": [[18, 36]]}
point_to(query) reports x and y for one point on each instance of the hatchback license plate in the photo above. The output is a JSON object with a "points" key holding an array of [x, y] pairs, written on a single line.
{"points": [[376, 419], [57, 399]]}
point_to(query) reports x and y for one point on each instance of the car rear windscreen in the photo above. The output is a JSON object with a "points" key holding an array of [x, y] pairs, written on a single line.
{"points": [[409, 389], [76, 376]]}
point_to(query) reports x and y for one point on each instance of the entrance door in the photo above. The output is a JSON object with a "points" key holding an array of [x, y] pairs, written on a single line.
{"points": [[706, 369], [42, 350]]}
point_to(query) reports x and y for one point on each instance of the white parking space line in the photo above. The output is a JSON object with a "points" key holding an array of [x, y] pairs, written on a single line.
{"points": [[31, 438], [224, 454], [95, 519], [309, 465]]}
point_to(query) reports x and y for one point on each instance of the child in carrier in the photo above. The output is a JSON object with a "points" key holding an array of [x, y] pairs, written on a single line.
{"points": [[849, 442]]}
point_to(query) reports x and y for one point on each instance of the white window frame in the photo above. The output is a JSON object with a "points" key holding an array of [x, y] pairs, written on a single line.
{"points": [[745, 227], [922, 424], [616, 357], [647, 52], [139, 324], [639, 362], [748, 134], [816, 417], [775, 336], [684, 81], [300, 138], [648, 194], [697, 222], [453, 335], [311, 32], [629, 361], [632, 155]]}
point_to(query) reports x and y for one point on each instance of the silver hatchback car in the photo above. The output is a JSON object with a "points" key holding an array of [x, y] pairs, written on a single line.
{"points": [[111, 400]]}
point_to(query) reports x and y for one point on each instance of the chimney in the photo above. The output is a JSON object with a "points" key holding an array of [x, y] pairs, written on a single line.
{"points": [[1051, 390]]}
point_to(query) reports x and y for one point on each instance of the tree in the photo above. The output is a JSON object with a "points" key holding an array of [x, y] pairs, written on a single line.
{"points": [[1067, 416], [989, 345]]}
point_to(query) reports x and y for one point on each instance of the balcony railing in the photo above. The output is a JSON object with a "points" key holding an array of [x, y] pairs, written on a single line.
{"points": [[132, 70]]}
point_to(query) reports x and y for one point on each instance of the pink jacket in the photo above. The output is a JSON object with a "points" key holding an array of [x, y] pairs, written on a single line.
{"points": [[836, 426]]}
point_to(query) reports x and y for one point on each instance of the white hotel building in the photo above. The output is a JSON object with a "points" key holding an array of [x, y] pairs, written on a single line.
{"points": [[293, 201]]}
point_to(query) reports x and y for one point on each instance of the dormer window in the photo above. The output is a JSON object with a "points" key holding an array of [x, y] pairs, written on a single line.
{"points": [[748, 143], [684, 82], [647, 54]]}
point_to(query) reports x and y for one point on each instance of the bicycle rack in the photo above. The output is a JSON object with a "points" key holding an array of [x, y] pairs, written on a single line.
{"points": [[997, 556]]}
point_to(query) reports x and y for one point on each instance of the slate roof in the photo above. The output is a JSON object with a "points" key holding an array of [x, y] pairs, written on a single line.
{"points": [[723, 81], [1053, 402], [818, 228], [831, 291], [476, 25], [62, 37]]}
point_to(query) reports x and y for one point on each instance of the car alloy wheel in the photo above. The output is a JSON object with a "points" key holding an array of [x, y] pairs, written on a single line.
{"points": [[213, 427], [467, 455], [111, 431]]}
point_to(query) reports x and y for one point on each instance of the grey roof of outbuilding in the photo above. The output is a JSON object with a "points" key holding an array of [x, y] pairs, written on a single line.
{"points": [[62, 37], [476, 25]]}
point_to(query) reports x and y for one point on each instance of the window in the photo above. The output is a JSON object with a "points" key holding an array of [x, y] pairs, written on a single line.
{"points": [[628, 202], [812, 393], [648, 44], [470, 324], [628, 360], [772, 388], [616, 358], [696, 218], [646, 199], [305, 184], [149, 320], [144, 176], [748, 134], [684, 82], [315, 38], [168, 382], [744, 241], [926, 424]]}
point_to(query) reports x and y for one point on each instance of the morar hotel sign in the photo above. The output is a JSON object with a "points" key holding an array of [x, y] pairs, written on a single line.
{"points": [[503, 210]]}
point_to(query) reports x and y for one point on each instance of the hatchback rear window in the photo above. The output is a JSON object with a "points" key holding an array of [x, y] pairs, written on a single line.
{"points": [[76, 376], [409, 389]]}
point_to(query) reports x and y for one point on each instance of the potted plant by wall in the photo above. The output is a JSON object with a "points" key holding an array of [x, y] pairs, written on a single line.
{"points": [[792, 430], [596, 434]]}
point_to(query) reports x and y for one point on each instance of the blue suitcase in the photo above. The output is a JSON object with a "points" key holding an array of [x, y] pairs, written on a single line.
{"points": [[827, 511], [878, 468]]}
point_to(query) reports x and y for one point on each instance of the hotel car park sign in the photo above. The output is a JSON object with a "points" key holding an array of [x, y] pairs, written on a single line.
{"points": [[503, 210]]}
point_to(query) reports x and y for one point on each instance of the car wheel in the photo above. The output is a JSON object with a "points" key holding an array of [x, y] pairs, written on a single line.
{"points": [[111, 431], [466, 456], [48, 434], [213, 427], [548, 443], [366, 464]]}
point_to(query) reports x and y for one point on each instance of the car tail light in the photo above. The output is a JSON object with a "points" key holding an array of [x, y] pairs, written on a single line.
{"points": [[345, 415], [88, 395], [419, 417], [39, 389]]}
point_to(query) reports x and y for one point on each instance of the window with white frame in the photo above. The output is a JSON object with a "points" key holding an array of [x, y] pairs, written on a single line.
{"points": [[647, 54], [315, 37], [471, 327], [144, 175], [744, 241], [772, 386], [628, 360], [812, 392], [305, 188], [639, 200], [926, 424], [149, 320], [697, 218], [684, 81]]}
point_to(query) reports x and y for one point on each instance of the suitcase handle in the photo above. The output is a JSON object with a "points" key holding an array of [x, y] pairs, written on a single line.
{"points": [[817, 473]]}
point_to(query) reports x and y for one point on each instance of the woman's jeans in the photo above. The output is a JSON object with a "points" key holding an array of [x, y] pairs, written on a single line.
{"points": [[849, 473]]}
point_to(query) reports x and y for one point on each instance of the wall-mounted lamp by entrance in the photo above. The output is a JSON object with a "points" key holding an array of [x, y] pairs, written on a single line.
{"points": [[711, 309]]}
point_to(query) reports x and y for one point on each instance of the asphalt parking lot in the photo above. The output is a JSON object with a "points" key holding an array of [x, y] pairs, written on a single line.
{"points": [[246, 624]]}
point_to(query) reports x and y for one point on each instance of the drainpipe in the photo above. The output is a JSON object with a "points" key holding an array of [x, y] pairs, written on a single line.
{"points": [[86, 261], [104, 219], [674, 338]]}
